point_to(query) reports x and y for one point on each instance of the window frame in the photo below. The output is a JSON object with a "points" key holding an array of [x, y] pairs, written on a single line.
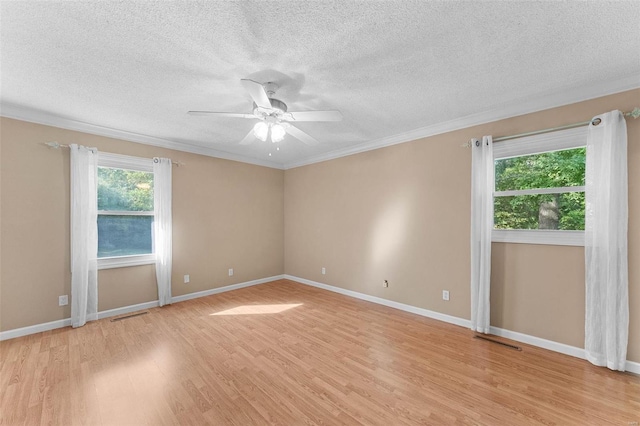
{"points": [[537, 144], [138, 164]]}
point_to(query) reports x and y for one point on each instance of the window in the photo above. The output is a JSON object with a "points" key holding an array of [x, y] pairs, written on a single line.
{"points": [[539, 189], [125, 211]]}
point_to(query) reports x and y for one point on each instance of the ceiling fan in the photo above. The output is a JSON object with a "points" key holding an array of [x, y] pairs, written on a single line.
{"points": [[274, 118]]}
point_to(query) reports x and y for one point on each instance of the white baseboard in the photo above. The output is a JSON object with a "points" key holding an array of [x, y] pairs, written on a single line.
{"points": [[539, 342], [630, 366], [223, 289], [380, 301], [127, 309], [32, 329]]}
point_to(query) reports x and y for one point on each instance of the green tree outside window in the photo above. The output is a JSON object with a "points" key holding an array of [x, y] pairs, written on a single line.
{"points": [[564, 211]]}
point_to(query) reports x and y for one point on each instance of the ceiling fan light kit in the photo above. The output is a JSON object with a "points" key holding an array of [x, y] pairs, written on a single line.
{"points": [[277, 133], [261, 130], [274, 116]]}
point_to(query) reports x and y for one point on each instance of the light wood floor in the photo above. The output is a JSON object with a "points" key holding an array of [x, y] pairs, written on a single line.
{"points": [[284, 353]]}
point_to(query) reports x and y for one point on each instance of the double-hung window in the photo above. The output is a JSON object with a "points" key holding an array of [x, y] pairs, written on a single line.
{"points": [[539, 188], [125, 211]]}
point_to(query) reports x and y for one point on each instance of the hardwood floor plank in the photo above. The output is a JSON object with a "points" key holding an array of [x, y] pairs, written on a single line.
{"points": [[287, 354]]}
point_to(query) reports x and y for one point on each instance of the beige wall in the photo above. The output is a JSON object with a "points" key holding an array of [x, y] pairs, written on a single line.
{"points": [[401, 213], [226, 214]]}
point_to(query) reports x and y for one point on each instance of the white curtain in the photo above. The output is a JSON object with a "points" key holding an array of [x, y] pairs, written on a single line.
{"points": [[606, 218], [482, 177], [84, 235], [162, 227]]}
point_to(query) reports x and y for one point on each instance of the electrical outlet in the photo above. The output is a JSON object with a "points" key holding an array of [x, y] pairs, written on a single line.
{"points": [[445, 294], [385, 283], [186, 278], [230, 272], [63, 300], [324, 271]]}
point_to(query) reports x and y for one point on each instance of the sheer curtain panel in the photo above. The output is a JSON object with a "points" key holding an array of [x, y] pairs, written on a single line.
{"points": [[84, 234], [482, 176], [606, 221], [162, 227]]}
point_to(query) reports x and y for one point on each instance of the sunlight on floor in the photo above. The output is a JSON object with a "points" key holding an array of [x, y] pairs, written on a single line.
{"points": [[115, 385], [258, 309]]}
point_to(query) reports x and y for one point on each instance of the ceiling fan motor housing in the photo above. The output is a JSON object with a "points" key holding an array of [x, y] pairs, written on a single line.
{"points": [[277, 108], [273, 115], [278, 105]]}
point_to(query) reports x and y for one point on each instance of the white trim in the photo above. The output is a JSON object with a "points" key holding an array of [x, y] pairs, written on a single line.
{"points": [[32, 329], [538, 236], [516, 108], [519, 107], [119, 161], [217, 290], [127, 162], [380, 301], [539, 342], [630, 366], [126, 261], [555, 190], [40, 117], [125, 213], [127, 309], [546, 142], [536, 144]]}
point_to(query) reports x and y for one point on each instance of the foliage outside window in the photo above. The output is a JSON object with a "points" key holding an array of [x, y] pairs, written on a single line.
{"points": [[540, 191], [125, 212], [539, 188]]}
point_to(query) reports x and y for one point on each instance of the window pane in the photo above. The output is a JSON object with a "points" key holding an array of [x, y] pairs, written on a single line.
{"points": [[546, 170], [547, 211], [124, 190], [124, 235]]}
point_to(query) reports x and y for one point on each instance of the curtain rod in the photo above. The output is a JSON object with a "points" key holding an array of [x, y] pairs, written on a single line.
{"points": [[56, 145], [635, 113]]}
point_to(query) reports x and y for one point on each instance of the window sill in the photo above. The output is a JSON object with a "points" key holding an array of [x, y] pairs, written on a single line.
{"points": [[126, 261], [538, 236]]}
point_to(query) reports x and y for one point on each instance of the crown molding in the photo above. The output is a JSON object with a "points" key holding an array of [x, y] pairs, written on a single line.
{"points": [[513, 109], [40, 117]]}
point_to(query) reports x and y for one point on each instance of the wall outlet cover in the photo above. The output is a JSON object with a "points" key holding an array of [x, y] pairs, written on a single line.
{"points": [[63, 300], [230, 272]]}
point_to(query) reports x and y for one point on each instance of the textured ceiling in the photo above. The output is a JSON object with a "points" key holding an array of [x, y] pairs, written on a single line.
{"points": [[390, 67]]}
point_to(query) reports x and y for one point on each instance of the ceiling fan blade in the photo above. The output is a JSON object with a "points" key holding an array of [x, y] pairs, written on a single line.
{"points": [[248, 139], [313, 116], [299, 134], [221, 114], [257, 93]]}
